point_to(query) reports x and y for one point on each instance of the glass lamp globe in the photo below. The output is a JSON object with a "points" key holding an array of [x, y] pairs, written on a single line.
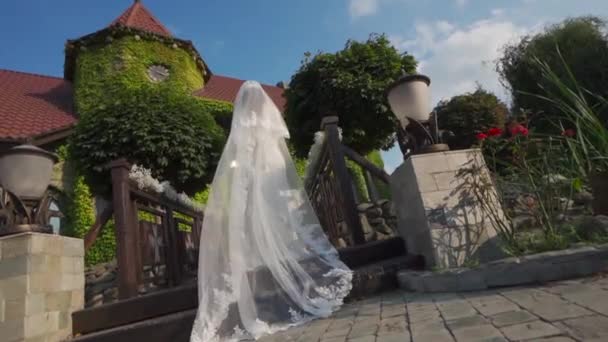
{"points": [[26, 171], [409, 97]]}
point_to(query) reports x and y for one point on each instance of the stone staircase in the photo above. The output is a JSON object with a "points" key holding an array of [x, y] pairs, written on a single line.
{"points": [[168, 316]]}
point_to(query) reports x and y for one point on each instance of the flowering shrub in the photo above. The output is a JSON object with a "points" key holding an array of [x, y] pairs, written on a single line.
{"points": [[536, 177], [145, 181]]}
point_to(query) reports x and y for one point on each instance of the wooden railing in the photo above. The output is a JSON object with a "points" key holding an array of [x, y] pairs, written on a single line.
{"points": [[157, 239], [331, 188]]}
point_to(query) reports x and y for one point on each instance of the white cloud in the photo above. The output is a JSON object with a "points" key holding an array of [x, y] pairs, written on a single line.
{"points": [[461, 3], [362, 8], [497, 12], [458, 57]]}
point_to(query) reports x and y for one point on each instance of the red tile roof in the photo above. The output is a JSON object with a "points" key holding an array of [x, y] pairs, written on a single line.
{"points": [[224, 88], [31, 105], [139, 17]]}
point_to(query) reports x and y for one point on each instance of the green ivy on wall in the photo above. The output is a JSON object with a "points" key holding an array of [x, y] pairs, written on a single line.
{"points": [[358, 175], [80, 217], [383, 189], [104, 72]]}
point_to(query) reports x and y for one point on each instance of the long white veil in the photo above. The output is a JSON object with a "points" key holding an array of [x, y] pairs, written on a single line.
{"points": [[265, 263]]}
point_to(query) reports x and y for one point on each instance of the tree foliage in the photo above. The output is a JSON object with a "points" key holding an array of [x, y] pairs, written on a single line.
{"points": [[350, 83], [584, 46], [173, 135], [468, 114]]}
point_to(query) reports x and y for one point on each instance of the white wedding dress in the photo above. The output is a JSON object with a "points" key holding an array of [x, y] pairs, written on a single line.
{"points": [[265, 264]]}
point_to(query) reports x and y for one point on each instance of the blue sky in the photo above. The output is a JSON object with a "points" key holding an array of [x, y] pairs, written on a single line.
{"points": [[455, 40]]}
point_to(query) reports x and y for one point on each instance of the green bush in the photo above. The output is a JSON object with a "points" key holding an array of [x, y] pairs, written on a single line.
{"points": [[80, 217], [584, 49], [173, 135], [468, 114], [202, 197], [383, 189], [350, 83]]}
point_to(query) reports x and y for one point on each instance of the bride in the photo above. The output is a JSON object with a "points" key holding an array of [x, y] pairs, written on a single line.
{"points": [[265, 264]]}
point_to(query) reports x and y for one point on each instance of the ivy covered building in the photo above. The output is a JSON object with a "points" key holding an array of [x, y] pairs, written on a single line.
{"points": [[133, 68], [135, 51]]}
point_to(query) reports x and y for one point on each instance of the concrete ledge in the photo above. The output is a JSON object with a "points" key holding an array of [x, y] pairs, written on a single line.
{"points": [[536, 268]]}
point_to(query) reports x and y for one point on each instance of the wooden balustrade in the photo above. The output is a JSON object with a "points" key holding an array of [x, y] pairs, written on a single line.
{"points": [[331, 188]]}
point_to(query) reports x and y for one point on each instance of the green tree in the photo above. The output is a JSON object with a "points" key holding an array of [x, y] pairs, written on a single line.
{"points": [[350, 83], [584, 46], [468, 114], [173, 135]]}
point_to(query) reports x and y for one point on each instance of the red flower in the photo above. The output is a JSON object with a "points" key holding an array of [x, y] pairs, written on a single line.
{"points": [[494, 132], [569, 133], [519, 129], [481, 136]]}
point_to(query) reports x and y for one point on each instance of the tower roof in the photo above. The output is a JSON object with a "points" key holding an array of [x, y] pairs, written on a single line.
{"points": [[139, 17]]}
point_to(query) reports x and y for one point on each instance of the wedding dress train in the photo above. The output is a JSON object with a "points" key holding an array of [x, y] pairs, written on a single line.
{"points": [[265, 263]]}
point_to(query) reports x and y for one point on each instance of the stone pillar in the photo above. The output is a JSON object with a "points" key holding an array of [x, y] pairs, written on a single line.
{"points": [[439, 214], [41, 284]]}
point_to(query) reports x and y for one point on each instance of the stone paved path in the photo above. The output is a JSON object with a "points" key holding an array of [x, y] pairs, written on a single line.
{"points": [[575, 310]]}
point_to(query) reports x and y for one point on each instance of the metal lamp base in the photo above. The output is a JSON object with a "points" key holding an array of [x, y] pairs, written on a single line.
{"points": [[26, 228], [433, 148]]}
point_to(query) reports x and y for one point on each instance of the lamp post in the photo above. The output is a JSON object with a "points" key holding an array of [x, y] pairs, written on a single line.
{"points": [[409, 99], [25, 174]]}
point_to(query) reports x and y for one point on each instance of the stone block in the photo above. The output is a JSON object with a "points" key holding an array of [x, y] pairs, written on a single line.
{"points": [[425, 208], [79, 265], [463, 158], [12, 330], [526, 331], [15, 245], [62, 335], [485, 332], [590, 328], [511, 274], [73, 247], [37, 263], [13, 267], [14, 287], [411, 280], [33, 304], [504, 319], [426, 182], [429, 163], [581, 268], [46, 244], [45, 282], [58, 301], [77, 300], [39, 286], [71, 282], [41, 324], [446, 180], [43, 338], [65, 320], [494, 305], [466, 322]]}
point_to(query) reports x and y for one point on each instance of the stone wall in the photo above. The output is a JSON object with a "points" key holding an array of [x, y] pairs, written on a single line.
{"points": [[438, 216], [41, 284], [378, 220], [514, 271]]}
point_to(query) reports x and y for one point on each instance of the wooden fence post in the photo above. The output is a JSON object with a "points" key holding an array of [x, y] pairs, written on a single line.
{"points": [[127, 242], [173, 264], [329, 125], [372, 191]]}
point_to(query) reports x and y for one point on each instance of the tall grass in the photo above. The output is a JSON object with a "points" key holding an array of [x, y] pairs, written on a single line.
{"points": [[589, 147]]}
